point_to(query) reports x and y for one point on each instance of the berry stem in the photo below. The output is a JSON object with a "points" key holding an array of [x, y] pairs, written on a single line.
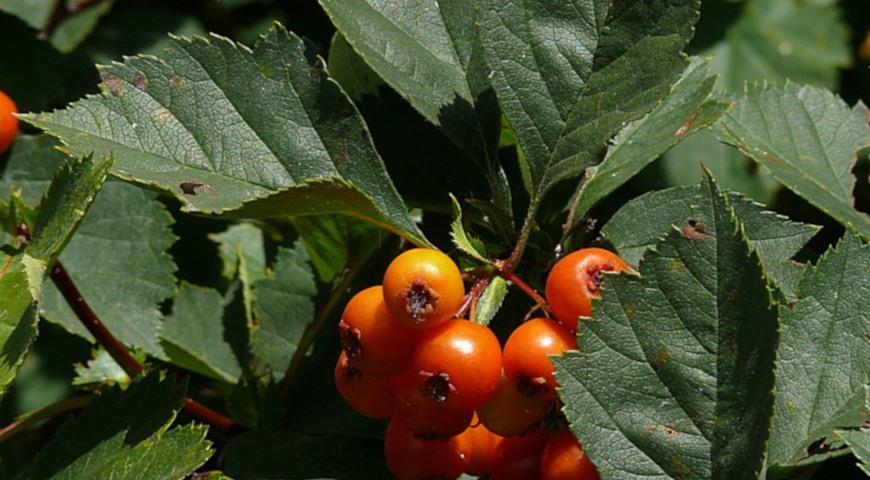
{"points": [[525, 287], [469, 303], [114, 347]]}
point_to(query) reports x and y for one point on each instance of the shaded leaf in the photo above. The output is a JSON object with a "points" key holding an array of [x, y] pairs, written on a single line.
{"points": [[333, 242], [75, 28], [283, 307], [490, 300], [242, 250], [688, 108], [674, 376], [20, 281], [824, 356], [292, 456], [569, 75], [122, 435], [102, 370], [468, 245], [808, 138], [230, 155], [193, 335], [859, 442], [33, 161], [350, 71]]}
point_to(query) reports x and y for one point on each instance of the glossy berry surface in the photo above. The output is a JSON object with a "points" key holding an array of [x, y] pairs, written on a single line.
{"points": [[526, 354], [457, 364], [518, 458], [423, 287], [371, 396], [483, 446], [576, 279], [374, 342], [508, 412], [564, 459], [410, 457], [8, 122], [425, 417]]}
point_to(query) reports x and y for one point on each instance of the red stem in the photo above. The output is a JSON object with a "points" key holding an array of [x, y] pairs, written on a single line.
{"points": [[525, 287], [115, 348], [470, 300]]}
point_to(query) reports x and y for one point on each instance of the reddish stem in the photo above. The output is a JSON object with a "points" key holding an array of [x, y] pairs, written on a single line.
{"points": [[115, 348], [525, 287], [469, 303]]}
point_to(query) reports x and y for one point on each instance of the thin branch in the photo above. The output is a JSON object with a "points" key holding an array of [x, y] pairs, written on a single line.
{"points": [[470, 300], [23, 422], [114, 347], [525, 287]]}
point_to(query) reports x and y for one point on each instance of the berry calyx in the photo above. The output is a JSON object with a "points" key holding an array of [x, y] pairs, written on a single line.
{"points": [[575, 279], [8, 122], [372, 339], [423, 287], [526, 356], [457, 365]]}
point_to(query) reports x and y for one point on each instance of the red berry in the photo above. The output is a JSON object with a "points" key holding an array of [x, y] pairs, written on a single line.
{"points": [[483, 446], [526, 352], [508, 412], [457, 364], [411, 457], [575, 279], [564, 459], [518, 458], [373, 340], [371, 396], [423, 287], [8, 122], [425, 417]]}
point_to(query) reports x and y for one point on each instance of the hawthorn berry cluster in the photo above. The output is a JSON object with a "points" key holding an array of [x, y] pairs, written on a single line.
{"points": [[458, 401], [8, 122]]}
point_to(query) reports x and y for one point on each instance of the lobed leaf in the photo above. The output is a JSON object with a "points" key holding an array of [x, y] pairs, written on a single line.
{"points": [[824, 357], [808, 139], [236, 132], [674, 376]]}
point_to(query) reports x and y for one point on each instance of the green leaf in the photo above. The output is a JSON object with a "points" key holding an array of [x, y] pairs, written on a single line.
{"points": [[133, 273], [34, 13], [242, 250], [569, 75], [824, 356], [33, 161], [276, 136], [283, 307], [674, 377], [333, 242], [490, 300], [291, 456], [688, 108], [808, 139], [639, 224], [20, 281], [123, 435], [74, 29], [859, 442], [775, 40], [468, 245], [193, 336], [428, 51], [102, 370], [64, 204], [350, 71]]}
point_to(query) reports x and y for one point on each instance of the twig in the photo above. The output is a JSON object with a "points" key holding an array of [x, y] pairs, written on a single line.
{"points": [[469, 303], [115, 348], [525, 287], [24, 421]]}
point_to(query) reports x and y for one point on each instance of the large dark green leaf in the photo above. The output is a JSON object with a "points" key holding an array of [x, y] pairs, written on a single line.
{"points": [[808, 138], [638, 225], [428, 51], [674, 378], [123, 436], [571, 74], [824, 355], [237, 132], [859, 442], [688, 108]]}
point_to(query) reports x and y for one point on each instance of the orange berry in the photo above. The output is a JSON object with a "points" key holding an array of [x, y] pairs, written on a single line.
{"points": [[423, 287]]}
